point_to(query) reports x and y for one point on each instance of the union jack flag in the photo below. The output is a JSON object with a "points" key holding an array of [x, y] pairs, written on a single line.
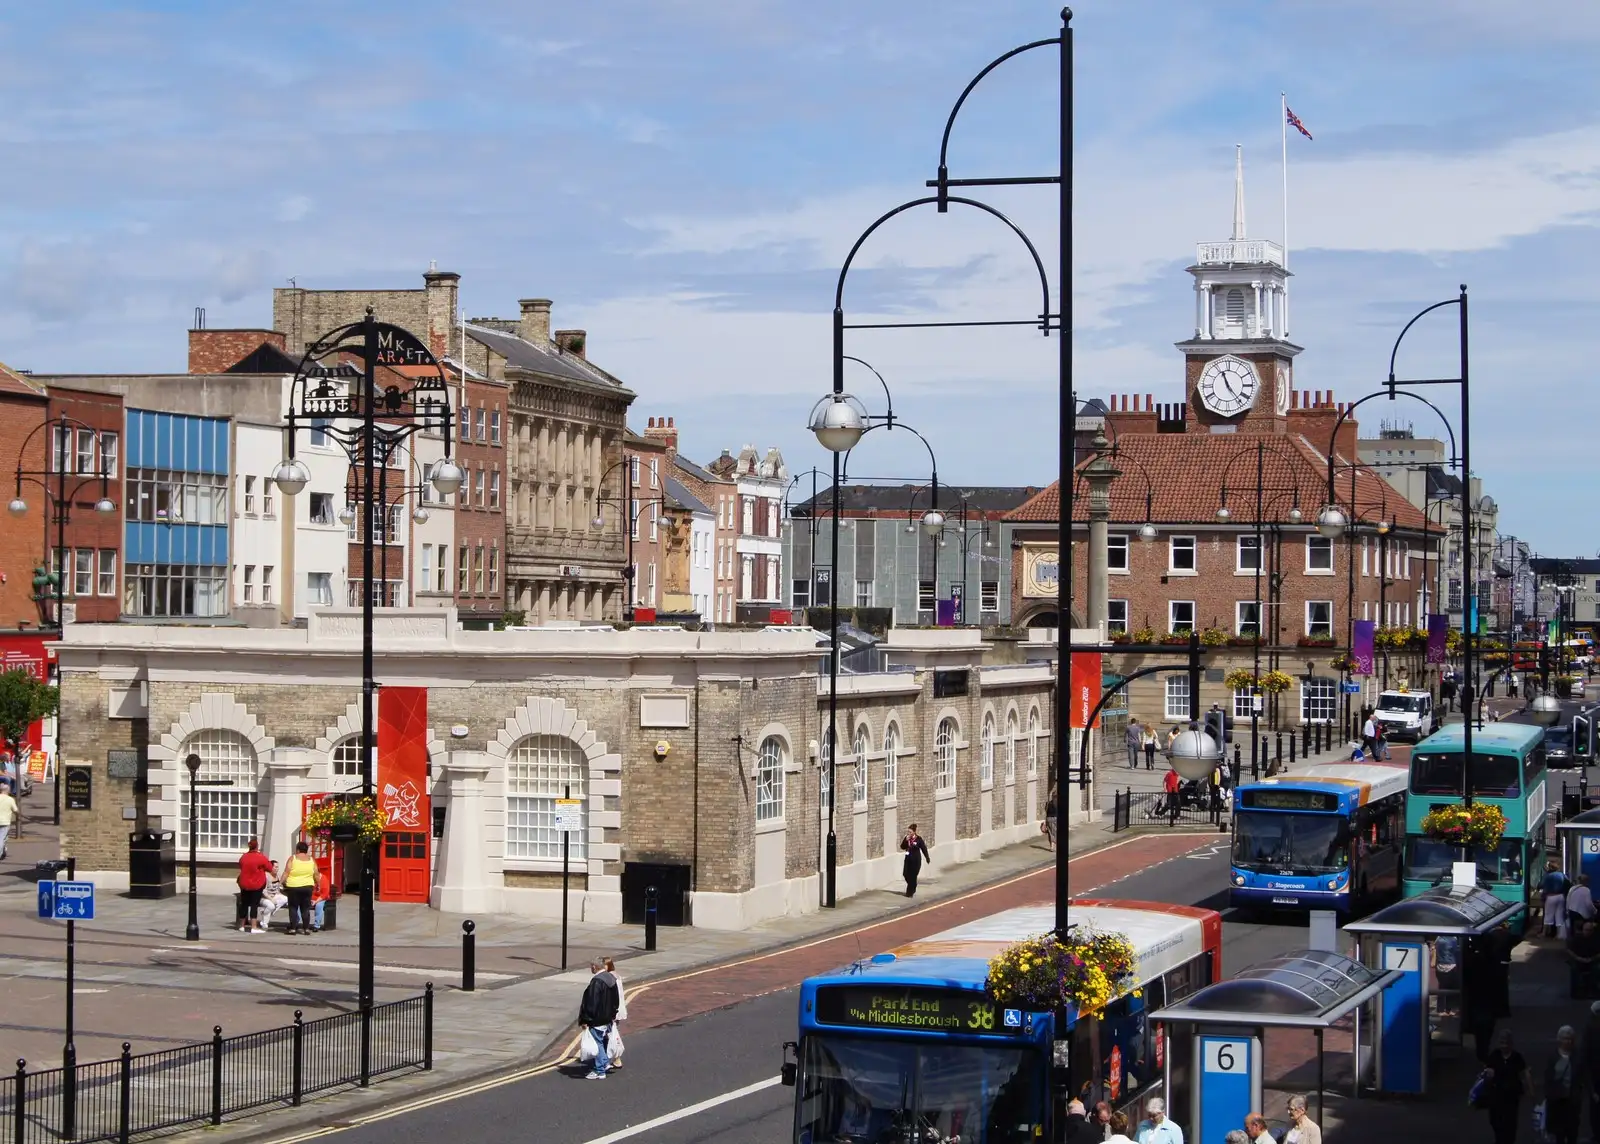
{"points": [[1294, 121]]}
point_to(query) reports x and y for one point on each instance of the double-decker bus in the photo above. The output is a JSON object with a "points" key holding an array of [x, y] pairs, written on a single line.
{"points": [[1328, 837], [907, 1046], [1507, 770]]}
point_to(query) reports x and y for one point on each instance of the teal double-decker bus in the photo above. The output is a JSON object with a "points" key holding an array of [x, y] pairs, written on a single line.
{"points": [[1507, 770]]}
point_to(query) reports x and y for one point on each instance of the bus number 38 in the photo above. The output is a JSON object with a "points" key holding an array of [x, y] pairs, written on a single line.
{"points": [[980, 1016]]}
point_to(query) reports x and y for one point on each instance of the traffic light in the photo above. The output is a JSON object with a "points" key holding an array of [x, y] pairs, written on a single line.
{"points": [[1583, 736]]}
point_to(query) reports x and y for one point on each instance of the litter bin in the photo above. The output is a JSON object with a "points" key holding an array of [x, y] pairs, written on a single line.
{"points": [[152, 864], [330, 913], [672, 892]]}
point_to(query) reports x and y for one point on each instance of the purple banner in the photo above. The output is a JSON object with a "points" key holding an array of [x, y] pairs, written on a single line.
{"points": [[1361, 652], [945, 615], [1438, 630]]}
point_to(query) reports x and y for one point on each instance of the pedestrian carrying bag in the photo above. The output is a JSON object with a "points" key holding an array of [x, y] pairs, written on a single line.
{"points": [[1478, 1094], [588, 1047]]}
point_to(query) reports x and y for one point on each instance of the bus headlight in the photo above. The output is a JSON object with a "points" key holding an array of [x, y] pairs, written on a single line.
{"points": [[1238, 879], [1333, 883]]}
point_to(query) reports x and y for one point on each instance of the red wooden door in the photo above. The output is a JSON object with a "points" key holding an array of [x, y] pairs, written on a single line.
{"points": [[403, 866]]}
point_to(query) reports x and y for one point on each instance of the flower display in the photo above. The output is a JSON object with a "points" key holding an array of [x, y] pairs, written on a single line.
{"points": [[1239, 679], [360, 814], [1277, 681], [1214, 637], [1460, 825], [1088, 970]]}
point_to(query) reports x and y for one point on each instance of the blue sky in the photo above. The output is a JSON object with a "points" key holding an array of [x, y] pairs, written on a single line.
{"points": [[683, 178]]}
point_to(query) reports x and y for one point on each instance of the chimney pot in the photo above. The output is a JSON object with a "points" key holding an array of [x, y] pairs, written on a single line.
{"points": [[535, 323], [574, 342]]}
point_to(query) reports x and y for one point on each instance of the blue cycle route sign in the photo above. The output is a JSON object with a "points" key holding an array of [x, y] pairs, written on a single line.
{"points": [[47, 899], [74, 901]]}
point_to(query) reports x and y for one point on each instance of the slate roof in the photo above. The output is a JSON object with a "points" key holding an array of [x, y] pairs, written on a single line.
{"points": [[1187, 472], [546, 360], [694, 470], [985, 499], [677, 491]]}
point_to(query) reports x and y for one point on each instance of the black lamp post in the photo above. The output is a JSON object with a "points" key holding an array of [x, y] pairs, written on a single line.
{"points": [[52, 480], [370, 418], [628, 507], [192, 763]]}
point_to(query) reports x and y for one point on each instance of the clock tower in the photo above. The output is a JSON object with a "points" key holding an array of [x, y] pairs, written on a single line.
{"points": [[1239, 366]]}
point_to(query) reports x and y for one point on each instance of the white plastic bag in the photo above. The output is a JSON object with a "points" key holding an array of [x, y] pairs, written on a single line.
{"points": [[614, 1044], [588, 1047]]}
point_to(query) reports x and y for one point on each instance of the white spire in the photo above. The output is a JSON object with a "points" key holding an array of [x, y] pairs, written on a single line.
{"points": [[1238, 192]]}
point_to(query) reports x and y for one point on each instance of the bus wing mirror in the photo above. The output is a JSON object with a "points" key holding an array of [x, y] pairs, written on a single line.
{"points": [[790, 1071]]}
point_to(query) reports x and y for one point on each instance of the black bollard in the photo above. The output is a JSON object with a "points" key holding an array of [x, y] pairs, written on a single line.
{"points": [[469, 957], [650, 919], [1305, 740], [1291, 747]]}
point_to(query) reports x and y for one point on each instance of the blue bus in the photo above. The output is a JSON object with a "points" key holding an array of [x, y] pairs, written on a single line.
{"points": [[1328, 838], [907, 1046], [1508, 771]]}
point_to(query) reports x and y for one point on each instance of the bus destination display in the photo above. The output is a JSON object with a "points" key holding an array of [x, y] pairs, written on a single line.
{"points": [[1266, 798], [912, 1008]]}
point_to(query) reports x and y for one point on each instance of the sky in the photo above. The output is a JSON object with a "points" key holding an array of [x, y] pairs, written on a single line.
{"points": [[684, 179]]}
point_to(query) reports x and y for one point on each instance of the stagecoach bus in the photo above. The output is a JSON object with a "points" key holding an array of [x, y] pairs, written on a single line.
{"points": [[906, 1045], [1508, 771], [1326, 838]]}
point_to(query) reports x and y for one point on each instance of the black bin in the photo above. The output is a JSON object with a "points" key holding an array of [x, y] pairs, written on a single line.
{"points": [[330, 914], [672, 892], [152, 864]]}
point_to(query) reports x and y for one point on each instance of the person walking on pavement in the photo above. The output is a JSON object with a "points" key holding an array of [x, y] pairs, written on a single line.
{"points": [[1150, 743], [1580, 901], [1156, 1128], [1369, 737], [1048, 826], [1302, 1130], [1255, 1129], [616, 1045], [1133, 739], [1589, 1056], [916, 851], [1075, 1126], [1172, 785], [1562, 1088], [1554, 892], [300, 882], [1116, 1128], [8, 815], [597, 1012], [254, 868], [1506, 1074]]}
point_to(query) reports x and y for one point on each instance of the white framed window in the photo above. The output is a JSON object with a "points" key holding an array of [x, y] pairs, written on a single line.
{"points": [[1249, 553], [1366, 556], [442, 581], [319, 589], [1247, 618], [494, 488], [109, 456], [108, 572], [863, 593], [83, 572], [1117, 616], [1177, 696], [944, 756], [321, 508], [986, 752], [86, 451], [346, 757], [1011, 747], [225, 816], [655, 472], [1180, 615], [249, 595], [862, 746], [1319, 700], [1033, 742], [769, 780], [1117, 552], [891, 762], [266, 498], [925, 597], [427, 567], [1319, 619], [655, 522], [1319, 554], [249, 496], [1243, 703], [266, 583], [825, 763], [539, 770], [1181, 554], [989, 596]]}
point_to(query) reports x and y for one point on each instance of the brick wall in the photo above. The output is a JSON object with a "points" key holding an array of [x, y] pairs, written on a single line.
{"points": [[216, 351], [87, 529], [22, 537], [481, 512]]}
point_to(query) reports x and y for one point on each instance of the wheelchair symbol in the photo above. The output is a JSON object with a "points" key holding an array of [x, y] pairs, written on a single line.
{"points": [[1013, 1018]]}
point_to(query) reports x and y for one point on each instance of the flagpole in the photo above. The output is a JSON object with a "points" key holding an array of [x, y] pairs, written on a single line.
{"points": [[1283, 128]]}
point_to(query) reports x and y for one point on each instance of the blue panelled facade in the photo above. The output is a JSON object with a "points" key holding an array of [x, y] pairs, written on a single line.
{"points": [[175, 547]]}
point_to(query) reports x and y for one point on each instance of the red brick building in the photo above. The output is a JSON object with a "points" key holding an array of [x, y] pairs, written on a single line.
{"points": [[23, 440], [92, 464]]}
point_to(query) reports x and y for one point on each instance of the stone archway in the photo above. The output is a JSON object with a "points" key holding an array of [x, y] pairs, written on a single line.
{"points": [[212, 711]]}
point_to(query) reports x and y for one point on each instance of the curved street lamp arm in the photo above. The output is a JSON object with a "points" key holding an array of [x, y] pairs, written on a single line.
{"points": [[949, 125], [1391, 394], [888, 398], [844, 468], [1407, 329]]}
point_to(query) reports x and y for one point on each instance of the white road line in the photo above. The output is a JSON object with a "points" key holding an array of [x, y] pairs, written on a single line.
{"points": [[685, 1113], [482, 973]]}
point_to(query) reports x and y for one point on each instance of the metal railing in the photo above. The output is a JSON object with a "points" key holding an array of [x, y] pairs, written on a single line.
{"points": [[1130, 809], [171, 1089]]}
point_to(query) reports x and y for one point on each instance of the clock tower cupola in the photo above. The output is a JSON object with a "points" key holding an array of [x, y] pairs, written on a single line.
{"points": [[1239, 363]]}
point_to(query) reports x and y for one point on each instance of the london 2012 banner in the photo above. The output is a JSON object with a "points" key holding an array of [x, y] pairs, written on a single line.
{"points": [[403, 758], [1361, 645], [1438, 638]]}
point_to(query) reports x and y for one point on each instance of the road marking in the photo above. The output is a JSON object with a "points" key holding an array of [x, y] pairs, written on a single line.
{"points": [[685, 1113], [482, 973]]}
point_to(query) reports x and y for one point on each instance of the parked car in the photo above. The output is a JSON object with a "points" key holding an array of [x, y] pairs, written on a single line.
{"points": [[1558, 746]]}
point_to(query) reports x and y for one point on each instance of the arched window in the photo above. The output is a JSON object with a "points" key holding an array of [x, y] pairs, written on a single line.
{"points": [[825, 761], [986, 755], [891, 762], [225, 816], [769, 780], [1033, 742], [539, 770], [347, 757], [862, 744], [944, 756], [1011, 747]]}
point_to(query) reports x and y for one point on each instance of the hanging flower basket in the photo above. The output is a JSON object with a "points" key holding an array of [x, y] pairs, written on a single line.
{"points": [[1214, 637], [1343, 663], [1239, 679], [1087, 970], [1460, 825], [355, 820], [1276, 681]]}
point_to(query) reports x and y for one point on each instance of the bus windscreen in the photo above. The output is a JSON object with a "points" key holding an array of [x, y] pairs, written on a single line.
{"points": [[1493, 776], [1267, 841]]}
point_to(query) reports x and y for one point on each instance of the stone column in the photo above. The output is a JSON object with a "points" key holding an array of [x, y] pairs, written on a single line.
{"points": [[1200, 330], [288, 779], [1099, 473], [461, 883]]}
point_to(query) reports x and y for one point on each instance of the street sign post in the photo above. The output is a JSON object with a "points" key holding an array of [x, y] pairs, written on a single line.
{"points": [[74, 901], [47, 900], [569, 820]]}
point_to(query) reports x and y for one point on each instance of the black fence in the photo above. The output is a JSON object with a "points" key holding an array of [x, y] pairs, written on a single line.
{"points": [[1156, 809], [145, 1095]]}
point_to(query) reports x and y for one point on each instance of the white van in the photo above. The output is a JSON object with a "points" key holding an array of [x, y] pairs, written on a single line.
{"points": [[1405, 715]]}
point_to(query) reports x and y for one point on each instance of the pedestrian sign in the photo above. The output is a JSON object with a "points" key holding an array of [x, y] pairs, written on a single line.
{"points": [[74, 901], [47, 899], [569, 815], [1350, 687]]}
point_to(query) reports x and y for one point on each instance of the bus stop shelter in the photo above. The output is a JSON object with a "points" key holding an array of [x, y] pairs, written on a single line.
{"points": [[1227, 1023], [1424, 941], [1578, 845]]}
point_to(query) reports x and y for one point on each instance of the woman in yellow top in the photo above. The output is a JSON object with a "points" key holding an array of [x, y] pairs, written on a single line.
{"points": [[300, 881]]}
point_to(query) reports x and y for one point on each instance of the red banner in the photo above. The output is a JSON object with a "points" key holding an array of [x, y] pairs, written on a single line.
{"points": [[1085, 687], [403, 758], [28, 652]]}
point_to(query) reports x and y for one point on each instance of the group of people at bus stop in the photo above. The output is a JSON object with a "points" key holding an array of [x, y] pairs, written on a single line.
{"points": [[1105, 1125]]}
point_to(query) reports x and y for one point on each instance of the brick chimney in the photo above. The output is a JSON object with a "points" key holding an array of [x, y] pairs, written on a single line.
{"points": [[442, 288], [535, 324], [574, 342], [216, 351], [662, 429]]}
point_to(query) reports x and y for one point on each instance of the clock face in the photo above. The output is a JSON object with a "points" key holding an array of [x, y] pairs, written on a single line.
{"points": [[1227, 386]]}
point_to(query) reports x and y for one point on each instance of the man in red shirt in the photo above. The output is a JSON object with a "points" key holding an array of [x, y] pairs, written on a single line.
{"points": [[1172, 800], [254, 868]]}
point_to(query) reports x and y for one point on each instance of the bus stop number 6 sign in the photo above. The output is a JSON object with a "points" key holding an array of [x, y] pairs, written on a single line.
{"points": [[1227, 1056]]}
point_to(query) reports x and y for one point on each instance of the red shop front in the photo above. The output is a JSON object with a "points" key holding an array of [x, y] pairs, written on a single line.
{"points": [[27, 650]]}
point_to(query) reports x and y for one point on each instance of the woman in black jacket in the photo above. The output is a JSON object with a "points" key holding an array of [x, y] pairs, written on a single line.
{"points": [[916, 853]]}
